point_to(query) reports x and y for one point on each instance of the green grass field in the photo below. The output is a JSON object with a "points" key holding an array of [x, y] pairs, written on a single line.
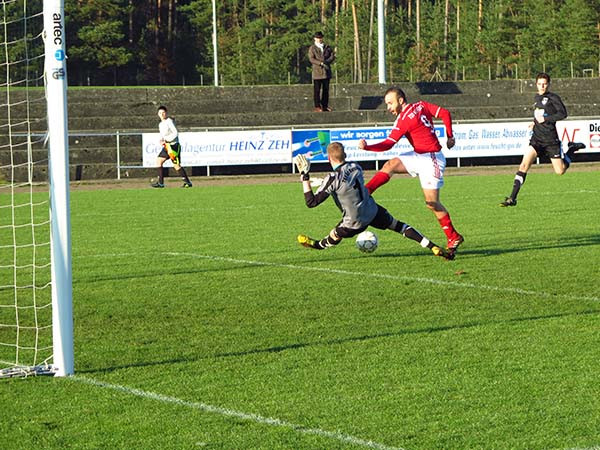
{"points": [[200, 323]]}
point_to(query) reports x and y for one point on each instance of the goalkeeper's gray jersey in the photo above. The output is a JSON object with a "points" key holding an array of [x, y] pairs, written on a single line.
{"points": [[347, 187]]}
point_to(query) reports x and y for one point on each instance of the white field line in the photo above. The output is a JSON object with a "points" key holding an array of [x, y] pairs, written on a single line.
{"points": [[232, 413], [457, 284], [462, 285]]}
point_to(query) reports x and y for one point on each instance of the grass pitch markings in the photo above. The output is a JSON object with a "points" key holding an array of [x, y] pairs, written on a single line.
{"points": [[433, 281], [481, 287], [237, 414]]}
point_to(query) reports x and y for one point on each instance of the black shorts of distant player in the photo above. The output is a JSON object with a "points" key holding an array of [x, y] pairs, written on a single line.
{"points": [[550, 150], [381, 221], [172, 151]]}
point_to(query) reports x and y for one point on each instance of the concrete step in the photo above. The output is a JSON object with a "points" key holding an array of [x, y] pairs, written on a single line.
{"points": [[179, 107], [160, 95], [309, 119], [144, 114], [128, 155]]}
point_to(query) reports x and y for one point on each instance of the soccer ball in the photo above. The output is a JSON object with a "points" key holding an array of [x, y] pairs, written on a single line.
{"points": [[367, 242]]}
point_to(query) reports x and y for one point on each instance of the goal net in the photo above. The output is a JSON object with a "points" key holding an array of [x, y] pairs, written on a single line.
{"points": [[35, 267]]}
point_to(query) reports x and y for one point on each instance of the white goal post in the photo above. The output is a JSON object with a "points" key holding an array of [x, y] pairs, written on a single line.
{"points": [[36, 323], [55, 72]]}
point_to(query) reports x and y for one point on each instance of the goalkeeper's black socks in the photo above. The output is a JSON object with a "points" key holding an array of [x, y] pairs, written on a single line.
{"points": [[413, 234], [409, 232], [519, 181], [327, 242], [161, 176]]}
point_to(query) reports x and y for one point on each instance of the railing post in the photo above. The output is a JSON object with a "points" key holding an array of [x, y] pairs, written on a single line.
{"points": [[118, 156]]}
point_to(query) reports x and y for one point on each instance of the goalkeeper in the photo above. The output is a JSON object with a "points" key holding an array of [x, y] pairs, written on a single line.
{"points": [[359, 211], [171, 149]]}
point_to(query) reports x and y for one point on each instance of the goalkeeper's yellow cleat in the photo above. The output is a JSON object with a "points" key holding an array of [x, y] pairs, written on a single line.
{"points": [[307, 241], [439, 251]]}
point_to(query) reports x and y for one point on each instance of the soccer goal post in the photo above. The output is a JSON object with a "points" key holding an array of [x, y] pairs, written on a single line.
{"points": [[58, 160], [36, 323]]}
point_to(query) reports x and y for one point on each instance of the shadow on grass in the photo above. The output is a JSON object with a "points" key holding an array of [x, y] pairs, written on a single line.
{"points": [[571, 242], [156, 275], [300, 345], [330, 255]]}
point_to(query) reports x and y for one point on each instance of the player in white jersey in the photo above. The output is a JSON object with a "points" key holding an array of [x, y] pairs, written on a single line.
{"points": [[171, 149], [359, 211]]}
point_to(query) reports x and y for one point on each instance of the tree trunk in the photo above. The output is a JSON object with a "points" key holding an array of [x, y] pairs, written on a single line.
{"points": [[457, 40], [446, 19], [337, 13], [480, 16], [357, 59], [131, 21], [175, 27], [156, 32], [170, 22], [370, 43], [498, 58], [241, 60], [418, 18]]}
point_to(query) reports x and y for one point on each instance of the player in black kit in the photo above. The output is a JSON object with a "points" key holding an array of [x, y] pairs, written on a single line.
{"points": [[549, 109], [359, 211]]}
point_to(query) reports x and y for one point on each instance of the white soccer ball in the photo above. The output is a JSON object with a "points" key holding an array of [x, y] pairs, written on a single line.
{"points": [[367, 242]]}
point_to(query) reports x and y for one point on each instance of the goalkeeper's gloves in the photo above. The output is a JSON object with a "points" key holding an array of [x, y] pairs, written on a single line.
{"points": [[303, 166]]}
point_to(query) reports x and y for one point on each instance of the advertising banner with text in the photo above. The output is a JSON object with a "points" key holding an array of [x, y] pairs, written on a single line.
{"points": [[223, 148], [472, 140]]}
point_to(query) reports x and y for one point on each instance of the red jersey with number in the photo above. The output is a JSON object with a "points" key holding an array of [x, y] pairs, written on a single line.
{"points": [[416, 123]]}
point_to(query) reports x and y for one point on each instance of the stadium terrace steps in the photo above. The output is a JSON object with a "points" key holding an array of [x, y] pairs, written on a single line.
{"points": [[380, 116], [196, 108], [134, 109], [201, 108]]}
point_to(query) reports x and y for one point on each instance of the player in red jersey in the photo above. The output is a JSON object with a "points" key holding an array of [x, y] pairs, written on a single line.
{"points": [[415, 121]]}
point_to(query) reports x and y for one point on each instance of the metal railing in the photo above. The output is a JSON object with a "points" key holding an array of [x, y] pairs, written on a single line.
{"points": [[118, 135]]}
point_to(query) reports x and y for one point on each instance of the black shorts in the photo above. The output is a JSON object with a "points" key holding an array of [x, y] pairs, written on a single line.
{"points": [[553, 150], [381, 221], [171, 151]]}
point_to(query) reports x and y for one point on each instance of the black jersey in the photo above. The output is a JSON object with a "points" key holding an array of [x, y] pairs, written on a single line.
{"points": [[553, 110], [346, 185]]}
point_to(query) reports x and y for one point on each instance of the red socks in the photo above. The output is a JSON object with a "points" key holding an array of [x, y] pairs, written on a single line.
{"points": [[446, 224], [379, 179]]}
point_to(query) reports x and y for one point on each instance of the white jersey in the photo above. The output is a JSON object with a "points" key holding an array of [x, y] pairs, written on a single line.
{"points": [[168, 131]]}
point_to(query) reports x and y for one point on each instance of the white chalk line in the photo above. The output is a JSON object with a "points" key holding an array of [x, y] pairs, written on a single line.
{"points": [[462, 285], [237, 414], [433, 281], [277, 422]]}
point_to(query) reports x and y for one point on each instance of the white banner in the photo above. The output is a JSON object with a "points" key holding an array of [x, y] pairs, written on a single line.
{"points": [[224, 148], [472, 140], [512, 138], [228, 148]]}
